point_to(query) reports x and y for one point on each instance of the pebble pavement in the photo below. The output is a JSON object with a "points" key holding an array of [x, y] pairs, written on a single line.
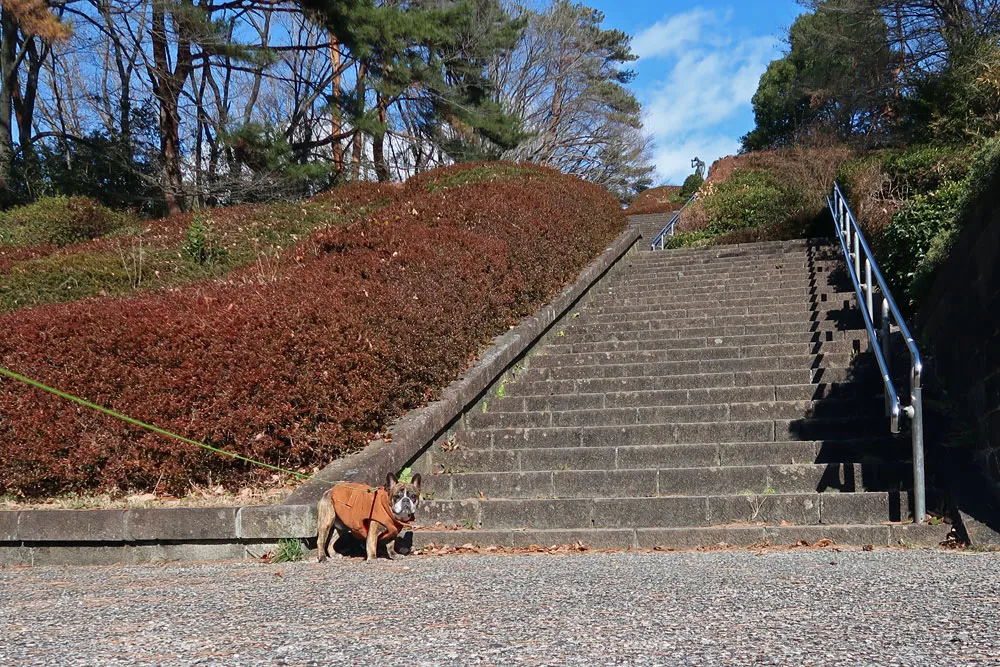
{"points": [[799, 607]]}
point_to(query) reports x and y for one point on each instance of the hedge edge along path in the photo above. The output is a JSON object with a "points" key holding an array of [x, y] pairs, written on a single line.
{"points": [[107, 537]]}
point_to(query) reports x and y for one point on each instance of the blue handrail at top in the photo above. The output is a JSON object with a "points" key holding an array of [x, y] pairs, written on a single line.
{"points": [[668, 230]]}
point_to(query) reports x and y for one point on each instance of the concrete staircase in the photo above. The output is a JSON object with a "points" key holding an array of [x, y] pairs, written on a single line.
{"points": [[650, 225], [703, 396]]}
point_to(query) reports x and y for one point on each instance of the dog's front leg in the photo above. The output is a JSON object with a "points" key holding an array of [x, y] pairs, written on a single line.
{"points": [[375, 530]]}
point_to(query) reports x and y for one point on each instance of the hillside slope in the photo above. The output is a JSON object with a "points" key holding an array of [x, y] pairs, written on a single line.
{"points": [[303, 360]]}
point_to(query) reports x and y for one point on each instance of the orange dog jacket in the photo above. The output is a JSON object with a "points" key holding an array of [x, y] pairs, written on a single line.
{"points": [[357, 505]]}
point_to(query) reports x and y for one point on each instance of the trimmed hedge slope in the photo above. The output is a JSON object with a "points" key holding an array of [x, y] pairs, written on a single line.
{"points": [[358, 323]]}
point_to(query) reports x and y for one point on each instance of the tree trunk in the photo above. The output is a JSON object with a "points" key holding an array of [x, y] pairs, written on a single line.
{"points": [[24, 108], [359, 93], [336, 127], [8, 78], [378, 143], [167, 86]]}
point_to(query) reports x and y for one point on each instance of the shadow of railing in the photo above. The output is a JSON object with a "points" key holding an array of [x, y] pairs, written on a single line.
{"points": [[847, 415]]}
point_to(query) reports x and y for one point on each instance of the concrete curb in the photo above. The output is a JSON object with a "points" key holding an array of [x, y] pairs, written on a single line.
{"points": [[418, 429], [104, 537], [107, 537]]}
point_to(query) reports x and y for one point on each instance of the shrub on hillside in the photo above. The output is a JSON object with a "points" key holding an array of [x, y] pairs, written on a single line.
{"points": [[57, 221], [924, 228], [689, 188], [750, 198], [662, 199], [477, 172], [767, 195], [362, 322]]}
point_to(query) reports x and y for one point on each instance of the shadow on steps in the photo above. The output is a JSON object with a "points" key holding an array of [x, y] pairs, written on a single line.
{"points": [[859, 451]]}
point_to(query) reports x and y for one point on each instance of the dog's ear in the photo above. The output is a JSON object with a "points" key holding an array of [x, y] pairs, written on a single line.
{"points": [[416, 482], [390, 481]]}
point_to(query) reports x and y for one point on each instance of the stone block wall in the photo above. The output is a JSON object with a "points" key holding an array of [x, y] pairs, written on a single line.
{"points": [[960, 332]]}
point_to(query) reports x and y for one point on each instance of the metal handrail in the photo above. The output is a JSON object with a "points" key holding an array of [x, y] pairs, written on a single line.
{"points": [[856, 251], [668, 230]]}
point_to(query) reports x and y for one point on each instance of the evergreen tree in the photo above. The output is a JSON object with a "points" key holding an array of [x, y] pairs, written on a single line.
{"points": [[419, 54], [836, 77]]}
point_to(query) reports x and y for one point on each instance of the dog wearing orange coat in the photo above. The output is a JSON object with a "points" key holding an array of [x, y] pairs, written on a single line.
{"points": [[373, 515]]}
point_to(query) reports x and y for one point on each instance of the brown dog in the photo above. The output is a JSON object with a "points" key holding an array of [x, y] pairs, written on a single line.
{"points": [[372, 515]]}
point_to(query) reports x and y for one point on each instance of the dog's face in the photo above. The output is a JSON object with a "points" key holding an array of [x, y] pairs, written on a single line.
{"points": [[403, 497]]}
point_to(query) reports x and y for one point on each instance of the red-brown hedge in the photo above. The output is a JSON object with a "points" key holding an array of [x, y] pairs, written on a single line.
{"points": [[656, 200], [365, 321]]}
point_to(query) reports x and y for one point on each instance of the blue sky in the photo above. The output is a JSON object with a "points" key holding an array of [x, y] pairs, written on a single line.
{"points": [[699, 66]]}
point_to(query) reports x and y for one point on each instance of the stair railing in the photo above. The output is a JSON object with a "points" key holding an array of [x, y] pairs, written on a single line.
{"points": [[660, 242], [868, 282]]}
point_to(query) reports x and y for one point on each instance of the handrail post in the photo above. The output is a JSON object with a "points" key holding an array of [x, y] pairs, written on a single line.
{"points": [[869, 287], [883, 342], [917, 430]]}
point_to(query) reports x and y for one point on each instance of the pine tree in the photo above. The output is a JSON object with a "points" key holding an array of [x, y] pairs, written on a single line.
{"points": [[419, 54]]}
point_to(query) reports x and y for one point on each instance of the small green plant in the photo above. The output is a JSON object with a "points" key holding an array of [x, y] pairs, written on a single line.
{"points": [[405, 475], [200, 244], [501, 392], [769, 491], [468, 524], [287, 551], [689, 240]]}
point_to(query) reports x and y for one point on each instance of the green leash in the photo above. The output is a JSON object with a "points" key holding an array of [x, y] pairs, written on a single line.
{"points": [[148, 427]]}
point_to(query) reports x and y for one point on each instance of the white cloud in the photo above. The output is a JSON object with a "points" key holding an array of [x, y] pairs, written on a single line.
{"points": [[695, 108], [673, 35]]}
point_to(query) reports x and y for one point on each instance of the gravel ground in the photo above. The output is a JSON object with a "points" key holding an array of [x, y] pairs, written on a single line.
{"points": [[889, 607]]}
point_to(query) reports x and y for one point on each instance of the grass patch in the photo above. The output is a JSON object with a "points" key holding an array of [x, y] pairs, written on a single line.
{"points": [[172, 252], [287, 551]]}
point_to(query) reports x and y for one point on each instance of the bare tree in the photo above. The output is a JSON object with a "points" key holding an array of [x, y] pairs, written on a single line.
{"points": [[566, 79]]}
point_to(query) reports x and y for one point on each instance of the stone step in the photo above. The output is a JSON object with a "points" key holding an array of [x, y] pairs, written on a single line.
{"points": [[641, 284], [667, 397], [657, 263], [677, 414], [524, 386], [711, 334], [660, 319], [613, 313], [671, 258], [659, 482], [796, 248], [669, 512], [809, 339], [630, 457], [765, 430], [712, 298], [692, 367], [792, 245], [737, 271], [856, 535], [691, 327], [549, 357], [725, 298]]}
